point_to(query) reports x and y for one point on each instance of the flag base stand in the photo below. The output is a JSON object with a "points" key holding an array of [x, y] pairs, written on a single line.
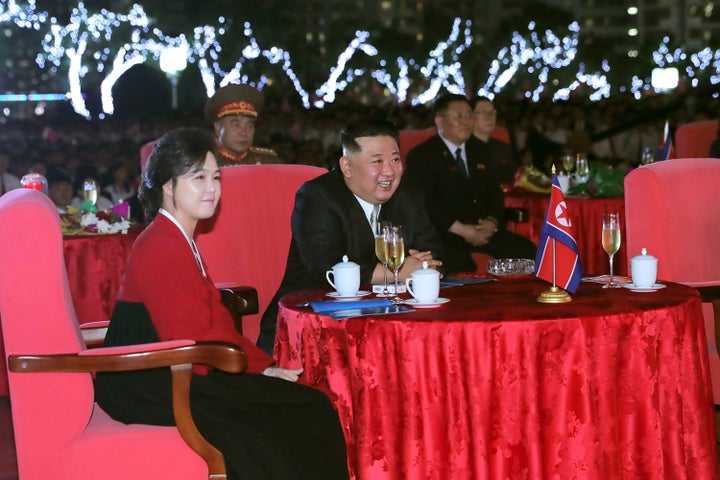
{"points": [[554, 295]]}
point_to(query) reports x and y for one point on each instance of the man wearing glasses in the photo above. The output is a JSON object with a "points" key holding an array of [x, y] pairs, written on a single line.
{"points": [[497, 155], [463, 198]]}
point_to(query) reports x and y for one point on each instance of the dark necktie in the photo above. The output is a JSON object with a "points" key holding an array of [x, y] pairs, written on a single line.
{"points": [[460, 161]]}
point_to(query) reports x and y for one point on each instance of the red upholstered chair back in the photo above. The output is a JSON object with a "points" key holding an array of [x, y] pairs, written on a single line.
{"points": [[145, 152], [671, 210], [693, 140], [247, 241], [502, 134], [59, 433], [409, 139]]}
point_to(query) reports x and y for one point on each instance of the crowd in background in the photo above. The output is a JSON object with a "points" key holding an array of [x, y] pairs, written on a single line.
{"points": [[615, 130]]}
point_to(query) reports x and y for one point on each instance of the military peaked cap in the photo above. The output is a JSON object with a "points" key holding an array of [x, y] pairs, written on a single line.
{"points": [[234, 99]]}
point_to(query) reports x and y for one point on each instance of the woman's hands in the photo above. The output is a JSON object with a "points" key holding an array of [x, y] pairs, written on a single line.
{"points": [[284, 373]]}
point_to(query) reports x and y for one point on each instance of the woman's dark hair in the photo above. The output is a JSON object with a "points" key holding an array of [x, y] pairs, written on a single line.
{"points": [[175, 153]]}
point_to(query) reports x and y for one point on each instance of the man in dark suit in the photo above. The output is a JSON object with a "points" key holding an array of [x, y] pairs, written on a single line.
{"points": [[496, 155], [333, 214], [464, 200]]}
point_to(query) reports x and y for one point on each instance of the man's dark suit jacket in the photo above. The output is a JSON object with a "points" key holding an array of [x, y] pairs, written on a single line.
{"points": [[498, 157], [328, 222], [450, 196]]}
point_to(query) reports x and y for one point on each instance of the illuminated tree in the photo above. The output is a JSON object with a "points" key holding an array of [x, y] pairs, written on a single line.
{"points": [[95, 48]]}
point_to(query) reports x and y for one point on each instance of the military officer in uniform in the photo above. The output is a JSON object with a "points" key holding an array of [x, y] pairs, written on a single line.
{"points": [[233, 111]]}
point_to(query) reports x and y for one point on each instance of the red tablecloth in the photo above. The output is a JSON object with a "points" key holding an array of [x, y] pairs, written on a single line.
{"points": [[586, 215], [94, 266], [614, 384]]}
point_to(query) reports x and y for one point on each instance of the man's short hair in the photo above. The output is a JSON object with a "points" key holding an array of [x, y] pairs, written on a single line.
{"points": [[443, 102], [366, 128]]}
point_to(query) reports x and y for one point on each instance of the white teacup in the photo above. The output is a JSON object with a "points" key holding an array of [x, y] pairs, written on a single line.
{"points": [[643, 270], [345, 277], [424, 284]]}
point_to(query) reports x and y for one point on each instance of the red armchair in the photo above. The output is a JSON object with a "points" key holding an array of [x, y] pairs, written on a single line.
{"points": [[145, 152], [411, 138], [671, 209], [247, 241], [60, 433], [693, 140]]}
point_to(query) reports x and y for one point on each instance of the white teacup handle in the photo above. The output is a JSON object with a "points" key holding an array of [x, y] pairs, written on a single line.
{"points": [[327, 276], [408, 281]]}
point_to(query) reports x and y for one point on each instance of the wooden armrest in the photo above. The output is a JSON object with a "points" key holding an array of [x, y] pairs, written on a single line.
{"points": [[711, 294], [240, 301], [516, 214], [222, 355]]}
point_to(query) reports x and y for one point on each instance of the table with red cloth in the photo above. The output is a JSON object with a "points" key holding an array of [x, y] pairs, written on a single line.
{"points": [[586, 214], [614, 384], [95, 264]]}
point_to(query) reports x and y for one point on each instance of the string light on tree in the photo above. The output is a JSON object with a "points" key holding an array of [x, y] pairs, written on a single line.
{"points": [[113, 43]]}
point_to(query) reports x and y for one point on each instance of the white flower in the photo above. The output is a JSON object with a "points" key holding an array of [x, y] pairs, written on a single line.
{"points": [[88, 219], [103, 226]]}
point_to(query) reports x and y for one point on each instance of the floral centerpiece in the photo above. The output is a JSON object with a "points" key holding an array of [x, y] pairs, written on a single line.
{"points": [[87, 220], [604, 182]]}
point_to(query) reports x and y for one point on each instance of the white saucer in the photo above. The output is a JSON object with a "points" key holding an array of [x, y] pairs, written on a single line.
{"points": [[359, 294], [633, 288], [414, 303]]}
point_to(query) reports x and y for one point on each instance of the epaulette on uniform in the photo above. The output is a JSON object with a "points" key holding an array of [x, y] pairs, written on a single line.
{"points": [[263, 151]]}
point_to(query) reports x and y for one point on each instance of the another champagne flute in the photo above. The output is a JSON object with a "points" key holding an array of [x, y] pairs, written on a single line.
{"points": [[381, 231], [395, 254], [611, 241], [582, 170], [568, 162], [90, 190]]}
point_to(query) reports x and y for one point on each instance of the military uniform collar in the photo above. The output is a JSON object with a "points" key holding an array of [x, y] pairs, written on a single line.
{"points": [[231, 156]]}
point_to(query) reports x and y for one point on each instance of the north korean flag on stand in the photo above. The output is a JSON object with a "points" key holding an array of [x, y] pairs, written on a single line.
{"points": [[666, 150], [559, 227]]}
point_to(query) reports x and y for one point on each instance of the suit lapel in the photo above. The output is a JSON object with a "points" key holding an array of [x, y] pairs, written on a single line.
{"points": [[447, 158]]}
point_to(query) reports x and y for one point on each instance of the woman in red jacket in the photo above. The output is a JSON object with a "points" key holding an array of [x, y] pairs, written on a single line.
{"points": [[266, 425]]}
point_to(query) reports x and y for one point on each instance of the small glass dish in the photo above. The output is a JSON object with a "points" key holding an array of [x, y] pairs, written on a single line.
{"points": [[511, 266]]}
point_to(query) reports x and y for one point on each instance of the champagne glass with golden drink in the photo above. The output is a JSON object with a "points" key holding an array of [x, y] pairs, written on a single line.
{"points": [[90, 190], [611, 241], [395, 246], [381, 232], [582, 170], [568, 162]]}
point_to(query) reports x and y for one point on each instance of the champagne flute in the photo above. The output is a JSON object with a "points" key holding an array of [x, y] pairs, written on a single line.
{"points": [[90, 190], [611, 241], [395, 253], [582, 171], [568, 162], [647, 157], [381, 231]]}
